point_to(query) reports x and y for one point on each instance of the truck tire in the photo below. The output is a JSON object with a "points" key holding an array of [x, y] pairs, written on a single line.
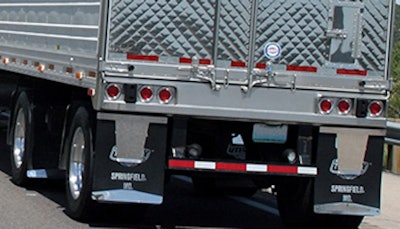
{"points": [[79, 166], [22, 139], [295, 203]]}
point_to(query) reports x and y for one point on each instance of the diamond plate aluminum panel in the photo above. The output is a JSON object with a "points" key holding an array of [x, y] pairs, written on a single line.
{"points": [[194, 28], [298, 26], [375, 35], [234, 30], [165, 28], [180, 28]]}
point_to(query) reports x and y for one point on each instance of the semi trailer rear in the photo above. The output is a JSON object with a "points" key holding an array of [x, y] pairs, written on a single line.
{"points": [[239, 95]]}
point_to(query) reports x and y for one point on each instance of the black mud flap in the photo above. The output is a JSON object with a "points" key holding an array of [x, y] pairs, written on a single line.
{"points": [[136, 175], [343, 192]]}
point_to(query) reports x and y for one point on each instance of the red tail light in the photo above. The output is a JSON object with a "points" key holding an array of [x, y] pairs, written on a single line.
{"points": [[344, 106], [146, 94], [165, 95], [113, 91], [325, 106], [375, 108]]}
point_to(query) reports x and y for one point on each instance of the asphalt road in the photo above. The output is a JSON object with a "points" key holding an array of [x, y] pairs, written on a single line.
{"points": [[42, 205], [390, 207]]}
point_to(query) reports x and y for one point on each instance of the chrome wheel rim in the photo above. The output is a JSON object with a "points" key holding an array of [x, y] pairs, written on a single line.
{"points": [[77, 163], [19, 139]]}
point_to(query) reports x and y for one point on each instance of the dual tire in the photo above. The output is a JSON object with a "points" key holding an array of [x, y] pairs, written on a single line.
{"points": [[22, 139], [78, 149]]}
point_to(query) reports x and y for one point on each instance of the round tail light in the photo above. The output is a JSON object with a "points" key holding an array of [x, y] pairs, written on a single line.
{"points": [[375, 108], [113, 91], [146, 94], [325, 106], [165, 95], [344, 106]]}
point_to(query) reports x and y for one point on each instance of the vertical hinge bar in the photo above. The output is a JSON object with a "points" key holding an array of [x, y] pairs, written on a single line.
{"points": [[252, 42]]}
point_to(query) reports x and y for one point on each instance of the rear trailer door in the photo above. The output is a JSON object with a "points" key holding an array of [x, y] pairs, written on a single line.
{"points": [[324, 45]]}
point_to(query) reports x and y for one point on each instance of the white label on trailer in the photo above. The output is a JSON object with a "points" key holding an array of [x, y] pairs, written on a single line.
{"points": [[122, 176], [348, 189]]}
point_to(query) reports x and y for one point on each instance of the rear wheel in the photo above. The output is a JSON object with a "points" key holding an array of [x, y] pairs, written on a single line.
{"points": [[295, 205], [22, 136], [79, 167]]}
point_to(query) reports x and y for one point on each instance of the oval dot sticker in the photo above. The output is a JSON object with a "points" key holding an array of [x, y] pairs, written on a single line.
{"points": [[272, 50]]}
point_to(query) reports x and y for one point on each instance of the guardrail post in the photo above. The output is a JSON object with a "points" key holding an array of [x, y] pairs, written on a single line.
{"points": [[392, 162], [387, 164], [395, 159], [393, 147]]}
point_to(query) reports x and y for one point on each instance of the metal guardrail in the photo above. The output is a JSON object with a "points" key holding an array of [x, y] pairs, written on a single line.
{"points": [[393, 133], [392, 150]]}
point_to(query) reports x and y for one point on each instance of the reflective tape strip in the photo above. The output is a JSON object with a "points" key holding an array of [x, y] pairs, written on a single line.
{"points": [[351, 72], [282, 169], [307, 171], [181, 164], [205, 165], [242, 167], [231, 166], [238, 64], [243, 64], [301, 68], [257, 168], [185, 60], [142, 57]]}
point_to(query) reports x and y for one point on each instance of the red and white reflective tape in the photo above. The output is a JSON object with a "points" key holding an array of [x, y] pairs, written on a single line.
{"points": [[242, 167], [241, 64]]}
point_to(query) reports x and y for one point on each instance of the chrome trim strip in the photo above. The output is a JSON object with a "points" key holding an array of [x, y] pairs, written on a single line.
{"points": [[51, 4], [49, 35], [346, 209], [126, 196]]}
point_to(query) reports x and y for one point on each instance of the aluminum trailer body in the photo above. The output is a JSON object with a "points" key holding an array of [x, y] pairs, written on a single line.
{"points": [[264, 89]]}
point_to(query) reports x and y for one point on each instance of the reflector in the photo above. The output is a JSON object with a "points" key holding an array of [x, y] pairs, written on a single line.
{"points": [[6, 60], [91, 92], [301, 68], [79, 75], [146, 94], [325, 106], [41, 67], [344, 106], [165, 95], [113, 91], [375, 108], [352, 72]]}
